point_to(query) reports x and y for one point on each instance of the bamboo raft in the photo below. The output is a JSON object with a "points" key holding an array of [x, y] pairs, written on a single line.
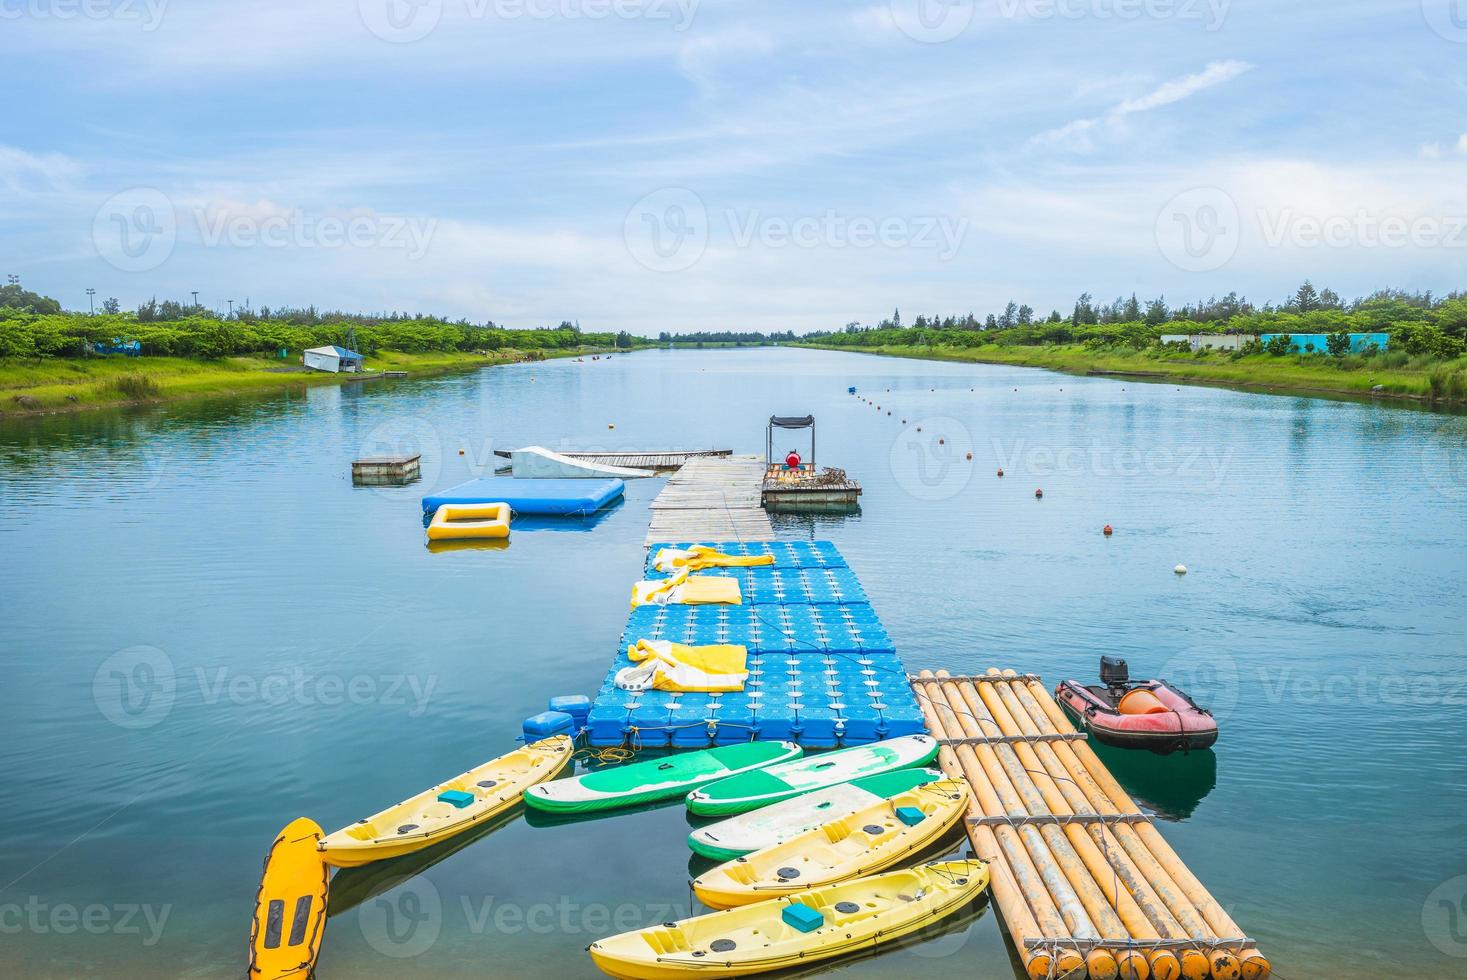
{"points": [[710, 499], [637, 461], [1087, 886]]}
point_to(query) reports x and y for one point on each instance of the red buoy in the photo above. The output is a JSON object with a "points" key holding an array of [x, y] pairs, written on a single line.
{"points": [[969, 457], [1000, 472], [942, 442], [1038, 494], [1109, 530]]}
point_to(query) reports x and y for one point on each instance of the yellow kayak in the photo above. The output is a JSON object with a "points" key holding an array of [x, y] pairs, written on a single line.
{"points": [[867, 841], [795, 930], [449, 808], [290, 907]]}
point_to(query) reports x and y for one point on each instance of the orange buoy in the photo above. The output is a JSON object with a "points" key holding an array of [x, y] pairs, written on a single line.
{"points": [[1141, 702], [969, 457], [1109, 530], [460, 452], [1000, 472], [1038, 494]]}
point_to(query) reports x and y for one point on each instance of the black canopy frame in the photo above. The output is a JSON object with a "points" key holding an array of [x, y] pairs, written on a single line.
{"points": [[792, 423]]}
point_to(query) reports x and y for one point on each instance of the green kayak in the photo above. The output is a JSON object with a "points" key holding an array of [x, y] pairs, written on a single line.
{"points": [[770, 784], [656, 779], [777, 823]]}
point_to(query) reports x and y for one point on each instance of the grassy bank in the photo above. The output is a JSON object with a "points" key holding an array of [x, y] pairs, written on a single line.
{"points": [[1388, 374], [31, 386]]}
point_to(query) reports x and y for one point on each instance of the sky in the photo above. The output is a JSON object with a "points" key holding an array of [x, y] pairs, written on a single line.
{"points": [[655, 165]]}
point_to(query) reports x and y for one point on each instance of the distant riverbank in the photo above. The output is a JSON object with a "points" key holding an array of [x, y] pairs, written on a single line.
{"points": [[1382, 376], [37, 386]]}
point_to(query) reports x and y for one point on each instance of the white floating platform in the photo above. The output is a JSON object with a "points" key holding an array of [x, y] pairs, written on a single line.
{"points": [[538, 463]]}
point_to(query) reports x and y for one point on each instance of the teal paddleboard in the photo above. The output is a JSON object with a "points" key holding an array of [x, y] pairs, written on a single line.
{"points": [[770, 784], [656, 779]]}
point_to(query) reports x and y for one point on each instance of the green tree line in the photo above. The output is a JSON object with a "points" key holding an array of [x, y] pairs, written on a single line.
{"points": [[33, 326], [1419, 323]]}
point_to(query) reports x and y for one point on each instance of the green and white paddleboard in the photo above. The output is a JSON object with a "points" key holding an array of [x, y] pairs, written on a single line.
{"points": [[656, 779], [751, 790], [770, 825]]}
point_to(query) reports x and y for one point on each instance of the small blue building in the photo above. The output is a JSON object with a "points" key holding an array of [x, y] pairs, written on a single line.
{"points": [[1318, 343], [127, 348]]}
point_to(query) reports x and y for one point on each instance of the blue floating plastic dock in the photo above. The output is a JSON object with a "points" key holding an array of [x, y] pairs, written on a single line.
{"points": [[553, 497], [822, 670]]}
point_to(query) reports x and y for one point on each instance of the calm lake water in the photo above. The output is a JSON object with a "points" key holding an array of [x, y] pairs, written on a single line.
{"points": [[292, 648]]}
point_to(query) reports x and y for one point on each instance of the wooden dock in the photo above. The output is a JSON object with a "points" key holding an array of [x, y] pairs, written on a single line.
{"points": [[1086, 885], [712, 499]]}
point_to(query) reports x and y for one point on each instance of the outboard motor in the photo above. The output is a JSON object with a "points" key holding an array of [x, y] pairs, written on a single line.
{"points": [[1115, 675]]}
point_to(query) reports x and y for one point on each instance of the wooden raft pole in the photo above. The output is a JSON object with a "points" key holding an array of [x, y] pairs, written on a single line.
{"points": [[1087, 886]]}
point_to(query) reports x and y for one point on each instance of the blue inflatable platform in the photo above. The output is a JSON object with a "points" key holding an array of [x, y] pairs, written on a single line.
{"points": [[822, 670], [574, 498]]}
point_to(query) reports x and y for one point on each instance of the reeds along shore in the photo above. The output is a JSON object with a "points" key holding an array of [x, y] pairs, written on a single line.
{"points": [[1101, 896]]}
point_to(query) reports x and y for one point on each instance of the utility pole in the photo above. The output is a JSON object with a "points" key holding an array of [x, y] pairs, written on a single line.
{"points": [[231, 307], [196, 298], [92, 307]]}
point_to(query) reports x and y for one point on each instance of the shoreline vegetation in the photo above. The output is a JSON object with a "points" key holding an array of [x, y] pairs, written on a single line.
{"points": [[1257, 372], [41, 386], [57, 361], [1392, 343]]}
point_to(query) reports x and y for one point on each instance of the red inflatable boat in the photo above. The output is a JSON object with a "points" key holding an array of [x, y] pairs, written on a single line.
{"points": [[1137, 714]]}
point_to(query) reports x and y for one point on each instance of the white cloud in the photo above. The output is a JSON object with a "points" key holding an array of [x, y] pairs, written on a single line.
{"points": [[1077, 134], [702, 59], [1430, 151]]}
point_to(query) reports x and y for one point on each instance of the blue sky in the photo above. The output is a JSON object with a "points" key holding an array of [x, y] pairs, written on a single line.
{"points": [[729, 164]]}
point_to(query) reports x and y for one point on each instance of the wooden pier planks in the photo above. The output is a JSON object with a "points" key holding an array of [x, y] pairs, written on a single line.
{"points": [[712, 499], [1087, 886]]}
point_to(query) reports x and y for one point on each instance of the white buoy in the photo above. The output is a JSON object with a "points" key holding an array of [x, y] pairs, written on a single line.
{"points": [[1180, 569]]}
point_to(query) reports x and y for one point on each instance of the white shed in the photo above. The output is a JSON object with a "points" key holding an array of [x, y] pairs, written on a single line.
{"points": [[333, 359]]}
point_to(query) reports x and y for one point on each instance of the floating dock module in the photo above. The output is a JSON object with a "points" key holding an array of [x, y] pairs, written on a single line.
{"points": [[1086, 885], [537, 463], [386, 470], [549, 497], [823, 671]]}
